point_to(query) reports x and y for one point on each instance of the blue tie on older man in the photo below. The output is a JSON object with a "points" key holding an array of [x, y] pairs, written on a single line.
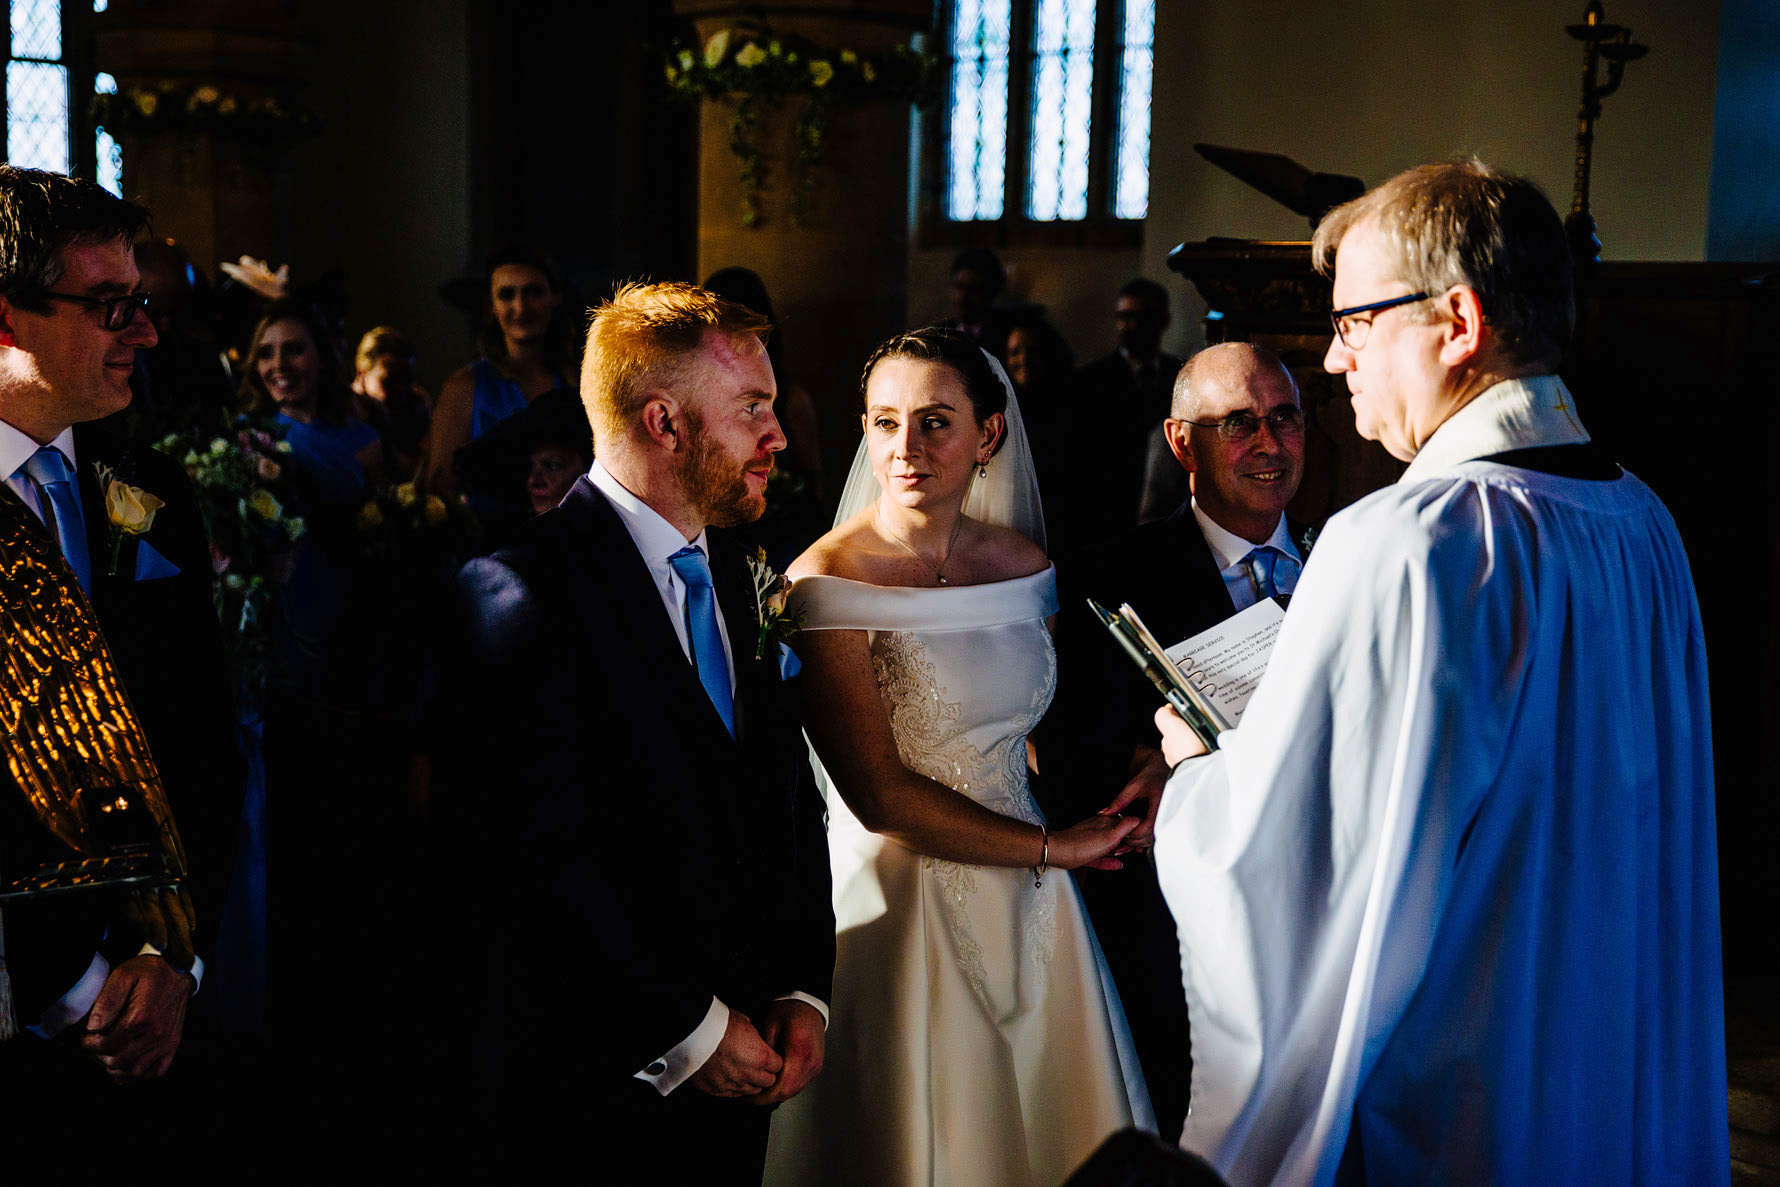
{"points": [[55, 478]]}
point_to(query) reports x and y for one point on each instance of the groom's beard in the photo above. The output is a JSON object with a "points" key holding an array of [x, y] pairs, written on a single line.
{"points": [[716, 484]]}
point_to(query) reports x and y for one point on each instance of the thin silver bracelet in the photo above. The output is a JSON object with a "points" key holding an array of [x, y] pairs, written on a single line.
{"points": [[1044, 860]]}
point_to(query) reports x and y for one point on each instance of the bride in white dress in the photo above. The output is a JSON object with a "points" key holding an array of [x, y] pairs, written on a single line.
{"points": [[974, 1038]]}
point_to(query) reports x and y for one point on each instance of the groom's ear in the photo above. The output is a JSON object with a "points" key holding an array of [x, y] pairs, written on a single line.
{"points": [[663, 420]]}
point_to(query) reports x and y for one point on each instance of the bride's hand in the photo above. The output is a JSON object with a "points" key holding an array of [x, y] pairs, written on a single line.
{"points": [[1093, 842]]}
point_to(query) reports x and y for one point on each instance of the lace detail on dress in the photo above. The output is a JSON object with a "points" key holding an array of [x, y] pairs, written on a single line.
{"points": [[930, 742]]}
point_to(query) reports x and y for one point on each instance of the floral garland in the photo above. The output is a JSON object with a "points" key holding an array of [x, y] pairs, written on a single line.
{"points": [[169, 106], [748, 64]]}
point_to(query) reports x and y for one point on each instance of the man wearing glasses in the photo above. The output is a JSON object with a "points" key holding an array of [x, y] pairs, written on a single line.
{"points": [[71, 321], [1237, 430], [1448, 897]]}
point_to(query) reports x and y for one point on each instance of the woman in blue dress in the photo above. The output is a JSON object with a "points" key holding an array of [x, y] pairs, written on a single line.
{"points": [[526, 351]]}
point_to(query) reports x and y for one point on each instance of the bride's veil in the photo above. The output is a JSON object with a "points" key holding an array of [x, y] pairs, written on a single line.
{"points": [[1007, 497]]}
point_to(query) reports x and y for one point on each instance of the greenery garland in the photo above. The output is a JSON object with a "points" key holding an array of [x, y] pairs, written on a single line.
{"points": [[751, 66], [169, 106]]}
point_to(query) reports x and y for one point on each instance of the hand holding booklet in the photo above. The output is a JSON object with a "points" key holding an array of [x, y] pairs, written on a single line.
{"points": [[1207, 678]]}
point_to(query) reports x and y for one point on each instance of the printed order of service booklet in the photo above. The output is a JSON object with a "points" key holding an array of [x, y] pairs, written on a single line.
{"points": [[1209, 677]]}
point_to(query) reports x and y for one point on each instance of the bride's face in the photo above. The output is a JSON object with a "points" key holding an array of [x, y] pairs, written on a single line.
{"points": [[923, 433]]}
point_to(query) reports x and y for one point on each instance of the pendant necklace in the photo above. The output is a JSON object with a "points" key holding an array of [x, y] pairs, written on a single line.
{"points": [[939, 569]]}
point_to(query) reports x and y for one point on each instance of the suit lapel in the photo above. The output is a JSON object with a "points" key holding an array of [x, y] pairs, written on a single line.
{"points": [[735, 594], [92, 446], [611, 582]]}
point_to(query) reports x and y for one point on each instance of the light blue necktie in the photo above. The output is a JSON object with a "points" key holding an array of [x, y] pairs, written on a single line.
{"points": [[1260, 571], [50, 470], [701, 628]]}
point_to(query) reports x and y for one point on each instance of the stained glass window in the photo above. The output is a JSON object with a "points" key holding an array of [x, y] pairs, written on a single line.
{"points": [[1062, 98], [1131, 156], [977, 165], [1077, 145], [108, 154], [37, 88]]}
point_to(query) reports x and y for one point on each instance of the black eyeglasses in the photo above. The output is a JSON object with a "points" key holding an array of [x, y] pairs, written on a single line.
{"points": [[1285, 421], [119, 311], [1353, 332]]}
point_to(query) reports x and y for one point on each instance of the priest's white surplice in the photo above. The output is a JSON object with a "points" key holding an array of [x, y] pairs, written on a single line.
{"points": [[1448, 899]]}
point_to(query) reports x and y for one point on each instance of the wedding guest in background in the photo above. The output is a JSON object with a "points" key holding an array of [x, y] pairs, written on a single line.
{"points": [[977, 281], [182, 383], [334, 769], [1448, 897], [794, 514], [1128, 391], [292, 375], [1042, 368], [527, 349], [386, 397], [1237, 432], [534, 455]]}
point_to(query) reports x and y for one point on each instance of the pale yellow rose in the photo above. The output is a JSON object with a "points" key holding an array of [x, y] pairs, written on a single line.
{"points": [[218, 446], [206, 94], [821, 74], [130, 509], [436, 511], [407, 495], [716, 47], [867, 71], [265, 505], [370, 516], [227, 106], [269, 469], [750, 56], [146, 101], [775, 602]]}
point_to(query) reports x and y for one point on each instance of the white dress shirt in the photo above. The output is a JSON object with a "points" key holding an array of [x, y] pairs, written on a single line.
{"points": [[1230, 551], [657, 540], [16, 451]]}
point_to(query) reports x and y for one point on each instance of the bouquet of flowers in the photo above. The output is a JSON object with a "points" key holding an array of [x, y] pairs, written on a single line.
{"points": [[243, 492], [412, 533]]}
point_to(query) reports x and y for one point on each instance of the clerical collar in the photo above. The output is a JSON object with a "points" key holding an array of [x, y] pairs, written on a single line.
{"points": [[1227, 548], [1514, 414]]}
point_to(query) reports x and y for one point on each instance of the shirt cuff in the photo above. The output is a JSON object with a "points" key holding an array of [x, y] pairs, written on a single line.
{"points": [[197, 969], [678, 1065], [797, 995]]}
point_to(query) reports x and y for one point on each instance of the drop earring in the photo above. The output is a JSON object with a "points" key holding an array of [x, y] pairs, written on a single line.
{"points": [[983, 469]]}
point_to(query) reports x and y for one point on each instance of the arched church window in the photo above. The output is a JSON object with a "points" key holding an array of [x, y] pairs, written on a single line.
{"points": [[48, 64], [1047, 118]]}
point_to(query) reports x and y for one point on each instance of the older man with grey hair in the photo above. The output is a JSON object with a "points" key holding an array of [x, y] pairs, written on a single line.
{"points": [[1237, 433], [1448, 896]]}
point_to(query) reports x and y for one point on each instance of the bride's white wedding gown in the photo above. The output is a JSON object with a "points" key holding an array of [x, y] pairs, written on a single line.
{"points": [[975, 1038]]}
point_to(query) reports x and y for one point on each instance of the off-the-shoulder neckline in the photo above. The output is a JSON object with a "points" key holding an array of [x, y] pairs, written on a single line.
{"points": [[1048, 569]]}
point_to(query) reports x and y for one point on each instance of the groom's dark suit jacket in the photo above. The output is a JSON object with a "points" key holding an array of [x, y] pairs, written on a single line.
{"points": [[163, 635], [1105, 708], [654, 861]]}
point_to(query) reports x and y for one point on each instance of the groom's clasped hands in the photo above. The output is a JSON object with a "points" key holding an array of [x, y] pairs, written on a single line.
{"points": [[770, 1064]]}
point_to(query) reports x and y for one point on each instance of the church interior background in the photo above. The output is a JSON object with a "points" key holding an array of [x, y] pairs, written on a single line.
{"points": [[385, 148]]}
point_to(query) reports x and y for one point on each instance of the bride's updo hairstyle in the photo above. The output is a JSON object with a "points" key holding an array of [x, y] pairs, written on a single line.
{"points": [[950, 348]]}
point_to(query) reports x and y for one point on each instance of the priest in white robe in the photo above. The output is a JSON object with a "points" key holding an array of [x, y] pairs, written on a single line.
{"points": [[1448, 898]]}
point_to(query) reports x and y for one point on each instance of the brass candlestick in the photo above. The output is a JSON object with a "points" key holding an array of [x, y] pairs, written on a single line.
{"points": [[1614, 45]]}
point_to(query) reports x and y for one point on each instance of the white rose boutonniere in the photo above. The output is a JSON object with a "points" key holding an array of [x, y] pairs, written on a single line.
{"points": [[770, 590], [130, 510]]}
